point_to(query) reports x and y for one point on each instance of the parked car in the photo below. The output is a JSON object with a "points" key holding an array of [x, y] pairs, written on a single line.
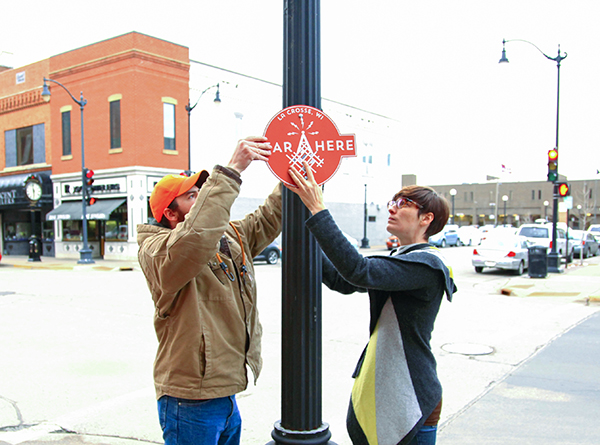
{"points": [[270, 254], [469, 235], [392, 242], [508, 252], [583, 242], [595, 230], [541, 235], [447, 237]]}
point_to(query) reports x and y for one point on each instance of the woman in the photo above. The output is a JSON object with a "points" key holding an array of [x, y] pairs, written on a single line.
{"points": [[396, 397]]}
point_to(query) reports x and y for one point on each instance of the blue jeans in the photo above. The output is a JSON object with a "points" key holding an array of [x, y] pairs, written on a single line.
{"points": [[200, 422], [425, 436]]}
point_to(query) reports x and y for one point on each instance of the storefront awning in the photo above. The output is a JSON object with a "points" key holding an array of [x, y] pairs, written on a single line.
{"points": [[72, 210]]}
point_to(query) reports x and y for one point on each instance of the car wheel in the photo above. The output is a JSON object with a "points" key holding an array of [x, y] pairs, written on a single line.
{"points": [[272, 257], [443, 243], [459, 243], [478, 269], [521, 269]]}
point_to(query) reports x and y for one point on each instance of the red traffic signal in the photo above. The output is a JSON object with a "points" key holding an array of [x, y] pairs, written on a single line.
{"points": [[89, 176], [563, 189]]}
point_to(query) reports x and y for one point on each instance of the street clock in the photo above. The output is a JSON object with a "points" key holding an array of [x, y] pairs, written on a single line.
{"points": [[33, 189]]}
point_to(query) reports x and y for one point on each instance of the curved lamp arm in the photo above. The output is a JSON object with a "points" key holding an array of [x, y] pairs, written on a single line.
{"points": [[46, 93], [557, 59], [189, 108]]}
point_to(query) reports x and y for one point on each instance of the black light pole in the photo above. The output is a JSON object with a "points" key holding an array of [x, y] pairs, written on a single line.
{"points": [[85, 254], [301, 383], [189, 109], [365, 241], [553, 256]]}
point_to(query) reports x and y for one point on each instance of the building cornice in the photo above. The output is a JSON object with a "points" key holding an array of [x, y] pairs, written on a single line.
{"points": [[118, 57]]}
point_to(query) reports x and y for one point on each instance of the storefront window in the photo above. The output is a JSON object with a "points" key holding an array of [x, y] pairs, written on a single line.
{"points": [[48, 231], [116, 226], [72, 230], [17, 231]]}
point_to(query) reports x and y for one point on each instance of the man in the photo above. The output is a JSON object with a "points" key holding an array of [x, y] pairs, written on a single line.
{"points": [[199, 269]]}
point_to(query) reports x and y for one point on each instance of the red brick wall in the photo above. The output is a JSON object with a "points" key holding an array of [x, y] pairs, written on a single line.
{"points": [[143, 70], [21, 104]]}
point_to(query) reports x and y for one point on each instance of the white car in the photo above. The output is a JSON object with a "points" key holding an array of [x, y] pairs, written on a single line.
{"points": [[507, 251], [594, 229], [541, 235], [469, 235]]}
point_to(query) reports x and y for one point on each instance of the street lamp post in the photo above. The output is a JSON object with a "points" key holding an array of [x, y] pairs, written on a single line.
{"points": [[453, 194], [85, 254], [189, 109], [504, 198], [546, 204], [553, 256], [365, 241]]}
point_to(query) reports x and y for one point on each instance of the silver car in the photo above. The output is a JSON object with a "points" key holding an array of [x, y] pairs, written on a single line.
{"points": [[503, 251], [583, 243]]}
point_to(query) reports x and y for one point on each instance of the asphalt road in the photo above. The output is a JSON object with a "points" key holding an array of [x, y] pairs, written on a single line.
{"points": [[78, 347]]}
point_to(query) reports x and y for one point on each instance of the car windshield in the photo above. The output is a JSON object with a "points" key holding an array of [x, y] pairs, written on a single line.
{"points": [[534, 232]]}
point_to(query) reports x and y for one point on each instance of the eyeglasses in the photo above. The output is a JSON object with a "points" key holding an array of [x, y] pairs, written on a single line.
{"points": [[402, 202]]}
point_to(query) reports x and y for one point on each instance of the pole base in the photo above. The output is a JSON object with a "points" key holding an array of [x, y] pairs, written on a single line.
{"points": [[364, 243], [283, 436], [85, 257], [554, 262]]}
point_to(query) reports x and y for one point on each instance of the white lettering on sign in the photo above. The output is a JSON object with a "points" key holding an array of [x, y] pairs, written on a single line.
{"points": [[336, 145], [8, 197], [299, 110], [287, 146]]}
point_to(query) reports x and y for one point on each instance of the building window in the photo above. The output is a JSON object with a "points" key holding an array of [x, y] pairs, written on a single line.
{"points": [[539, 194], [115, 124], [66, 133], [533, 195], [169, 123], [25, 146]]}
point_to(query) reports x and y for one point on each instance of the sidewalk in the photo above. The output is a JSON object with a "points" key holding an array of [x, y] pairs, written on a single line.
{"points": [[53, 263], [551, 399], [538, 382]]}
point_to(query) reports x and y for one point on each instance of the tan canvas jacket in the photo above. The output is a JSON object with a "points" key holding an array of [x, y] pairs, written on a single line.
{"points": [[207, 325]]}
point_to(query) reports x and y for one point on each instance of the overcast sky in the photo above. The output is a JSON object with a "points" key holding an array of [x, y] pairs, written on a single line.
{"points": [[431, 65]]}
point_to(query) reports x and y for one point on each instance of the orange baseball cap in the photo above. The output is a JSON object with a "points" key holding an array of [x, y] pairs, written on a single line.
{"points": [[170, 187]]}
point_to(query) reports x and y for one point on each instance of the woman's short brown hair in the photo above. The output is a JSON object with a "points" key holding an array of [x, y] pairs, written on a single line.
{"points": [[430, 202]]}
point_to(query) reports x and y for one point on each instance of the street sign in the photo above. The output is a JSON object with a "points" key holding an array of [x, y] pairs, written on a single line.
{"points": [[303, 133]]}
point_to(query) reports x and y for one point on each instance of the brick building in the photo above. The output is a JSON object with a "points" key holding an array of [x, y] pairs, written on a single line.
{"points": [[135, 127]]}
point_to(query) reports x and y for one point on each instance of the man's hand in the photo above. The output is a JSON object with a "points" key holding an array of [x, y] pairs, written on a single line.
{"points": [[250, 149], [307, 189]]}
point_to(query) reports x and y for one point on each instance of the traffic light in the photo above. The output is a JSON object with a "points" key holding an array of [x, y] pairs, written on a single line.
{"points": [[87, 190], [563, 189], [553, 165]]}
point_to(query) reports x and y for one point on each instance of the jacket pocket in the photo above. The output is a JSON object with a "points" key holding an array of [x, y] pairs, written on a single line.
{"points": [[217, 271], [215, 285]]}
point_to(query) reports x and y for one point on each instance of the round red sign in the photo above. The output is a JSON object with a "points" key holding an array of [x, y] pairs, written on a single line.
{"points": [[303, 133]]}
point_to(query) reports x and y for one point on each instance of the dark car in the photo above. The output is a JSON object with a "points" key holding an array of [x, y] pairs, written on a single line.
{"points": [[270, 254]]}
